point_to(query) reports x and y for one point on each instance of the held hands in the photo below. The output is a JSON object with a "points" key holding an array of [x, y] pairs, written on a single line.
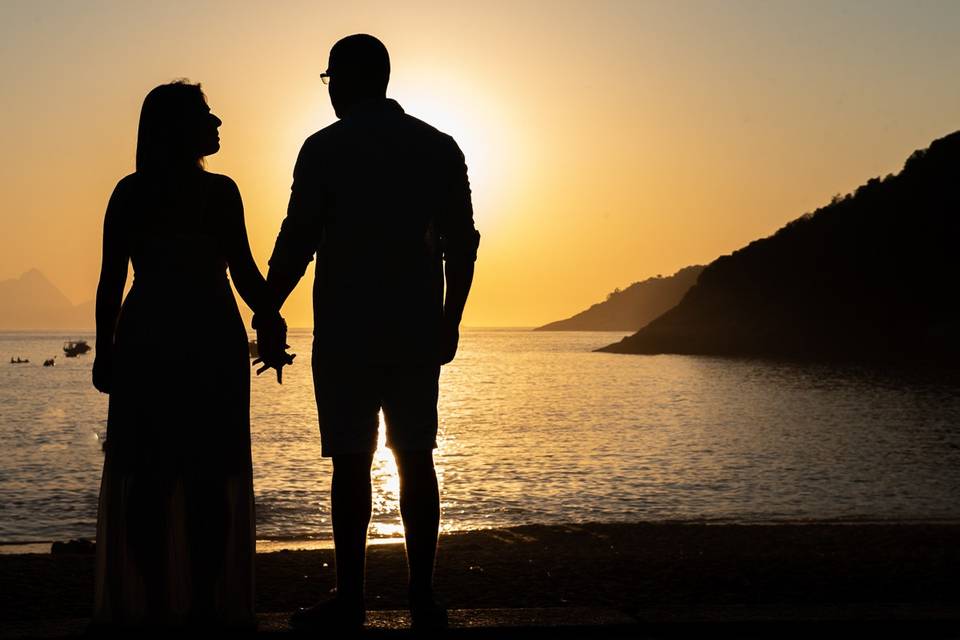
{"points": [[272, 344]]}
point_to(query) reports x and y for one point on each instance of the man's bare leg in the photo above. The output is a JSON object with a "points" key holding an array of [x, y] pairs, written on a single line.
{"points": [[350, 508], [420, 510], [351, 505]]}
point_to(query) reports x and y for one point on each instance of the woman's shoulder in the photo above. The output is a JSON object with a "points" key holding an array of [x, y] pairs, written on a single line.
{"points": [[127, 183], [222, 194], [224, 189], [125, 190], [222, 182]]}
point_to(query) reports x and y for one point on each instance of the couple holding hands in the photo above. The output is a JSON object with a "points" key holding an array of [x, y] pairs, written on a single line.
{"points": [[382, 201]]}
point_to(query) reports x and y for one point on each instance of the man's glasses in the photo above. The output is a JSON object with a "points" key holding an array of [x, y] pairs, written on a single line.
{"points": [[325, 78]]}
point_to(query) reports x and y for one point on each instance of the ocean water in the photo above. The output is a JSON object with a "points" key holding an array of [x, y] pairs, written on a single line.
{"points": [[536, 428]]}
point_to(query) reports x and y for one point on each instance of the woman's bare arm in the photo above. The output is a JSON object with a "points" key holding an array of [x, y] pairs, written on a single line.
{"points": [[252, 287], [246, 276], [113, 277]]}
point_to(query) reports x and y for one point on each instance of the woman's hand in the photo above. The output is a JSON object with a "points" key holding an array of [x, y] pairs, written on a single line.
{"points": [[449, 340], [103, 373], [272, 344]]}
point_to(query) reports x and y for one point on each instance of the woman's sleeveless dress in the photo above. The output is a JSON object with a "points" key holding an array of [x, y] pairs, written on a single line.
{"points": [[175, 529]]}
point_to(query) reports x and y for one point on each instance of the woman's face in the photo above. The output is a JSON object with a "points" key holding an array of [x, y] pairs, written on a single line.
{"points": [[207, 134]]}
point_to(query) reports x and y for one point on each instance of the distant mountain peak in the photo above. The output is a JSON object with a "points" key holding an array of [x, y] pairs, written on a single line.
{"points": [[33, 302], [34, 274]]}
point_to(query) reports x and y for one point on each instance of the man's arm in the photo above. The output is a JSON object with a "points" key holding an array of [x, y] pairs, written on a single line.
{"points": [[459, 240], [300, 231], [294, 249], [459, 276]]}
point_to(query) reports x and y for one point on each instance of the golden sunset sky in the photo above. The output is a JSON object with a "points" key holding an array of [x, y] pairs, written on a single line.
{"points": [[607, 141]]}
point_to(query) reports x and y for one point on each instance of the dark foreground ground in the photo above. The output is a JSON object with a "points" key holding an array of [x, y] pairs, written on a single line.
{"points": [[627, 580]]}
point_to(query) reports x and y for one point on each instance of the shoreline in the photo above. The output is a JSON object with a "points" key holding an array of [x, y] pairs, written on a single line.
{"points": [[275, 545], [631, 568], [44, 547]]}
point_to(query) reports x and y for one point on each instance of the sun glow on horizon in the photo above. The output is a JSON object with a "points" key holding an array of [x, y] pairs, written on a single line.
{"points": [[605, 142], [492, 145]]}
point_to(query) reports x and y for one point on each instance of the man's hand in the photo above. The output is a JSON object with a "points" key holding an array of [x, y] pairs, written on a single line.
{"points": [[459, 275], [272, 344], [449, 339]]}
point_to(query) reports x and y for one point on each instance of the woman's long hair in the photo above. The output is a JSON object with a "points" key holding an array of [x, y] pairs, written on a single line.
{"points": [[167, 126]]}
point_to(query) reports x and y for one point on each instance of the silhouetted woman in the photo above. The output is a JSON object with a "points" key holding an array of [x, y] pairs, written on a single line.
{"points": [[175, 530]]}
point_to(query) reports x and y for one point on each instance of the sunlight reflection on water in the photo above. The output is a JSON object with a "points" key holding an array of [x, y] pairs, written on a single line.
{"points": [[386, 496], [535, 428]]}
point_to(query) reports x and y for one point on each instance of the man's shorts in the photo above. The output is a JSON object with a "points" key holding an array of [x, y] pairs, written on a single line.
{"points": [[350, 396]]}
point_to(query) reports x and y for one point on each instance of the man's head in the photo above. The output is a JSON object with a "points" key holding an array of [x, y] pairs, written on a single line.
{"points": [[359, 69]]}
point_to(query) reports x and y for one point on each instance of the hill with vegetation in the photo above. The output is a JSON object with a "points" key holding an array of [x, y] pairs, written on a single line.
{"points": [[871, 275], [631, 308]]}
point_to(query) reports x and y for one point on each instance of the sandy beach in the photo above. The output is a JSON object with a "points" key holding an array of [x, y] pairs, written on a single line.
{"points": [[645, 570]]}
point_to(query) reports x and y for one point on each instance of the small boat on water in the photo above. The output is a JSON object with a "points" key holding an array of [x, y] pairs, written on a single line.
{"points": [[254, 349], [19, 360], [49, 362], [74, 348]]}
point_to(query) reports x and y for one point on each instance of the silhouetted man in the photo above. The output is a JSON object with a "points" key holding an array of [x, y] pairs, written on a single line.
{"points": [[383, 201]]}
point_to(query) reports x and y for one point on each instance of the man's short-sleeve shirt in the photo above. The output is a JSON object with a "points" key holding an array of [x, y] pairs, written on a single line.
{"points": [[381, 198]]}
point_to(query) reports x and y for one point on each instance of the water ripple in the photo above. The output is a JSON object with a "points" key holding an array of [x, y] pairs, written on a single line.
{"points": [[535, 428]]}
